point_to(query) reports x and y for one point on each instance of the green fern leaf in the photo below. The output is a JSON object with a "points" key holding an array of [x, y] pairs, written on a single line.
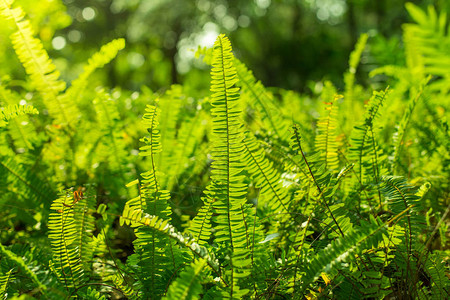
{"points": [[5, 279], [272, 193], [188, 285], [106, 53], [342, 250], [22, 265], [229, 191], [326, 139], [364, 150], [38, 65], [66, 263]]}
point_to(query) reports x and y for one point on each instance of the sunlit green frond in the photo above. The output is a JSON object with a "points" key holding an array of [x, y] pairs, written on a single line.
{"points": [[266, 178], [169, 106], [427, 45], [342, 250], [399, 135], [23, 266], [364, 150], [5, 279], [262, 101], [326, 139], [63, 234], [188, 139], [200, 226], [229, 190], [135, 218], [349, 76], [400, 196], [43, 73], [27, 182], [85, 222], [106, 53], [21, 129], [12, 111], [112, 147], [159, 256], [188, 285]]}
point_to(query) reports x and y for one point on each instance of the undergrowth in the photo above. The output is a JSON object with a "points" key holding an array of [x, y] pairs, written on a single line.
{"points": [[248, 192]]}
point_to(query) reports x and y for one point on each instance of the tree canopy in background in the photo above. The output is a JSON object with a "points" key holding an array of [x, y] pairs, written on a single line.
{"points": [[287, 43]]}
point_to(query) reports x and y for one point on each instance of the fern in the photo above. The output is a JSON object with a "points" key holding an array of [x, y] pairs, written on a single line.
{"points": [[169, 105], [266, 178], [20, 128], [20, 263], [106, 53], [428, 43], [341, 250], [229, 190], [349, 76], [27, 182], [188, 285], [5, 279], [38, 65], [256, 95], [399, 135], [135, 218], [112, 148], [364, 150], [66, 262], [200, 226], [326, 139], [158, 256], [9, 112]]}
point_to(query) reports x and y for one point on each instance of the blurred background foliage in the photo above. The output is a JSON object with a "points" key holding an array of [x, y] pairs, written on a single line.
{"points": [[290, 44]]}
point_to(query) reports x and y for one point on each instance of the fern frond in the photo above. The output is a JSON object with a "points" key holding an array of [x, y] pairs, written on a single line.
{"points": [[124, 287], [159, 257], [13, 111], [399, 134], [27, 183], [106, 53], [112, 148], [342, 250], [400, 196], [169, 107], [135, 218], [326, 139], [427, 46], [85, 223], [200, 226], [23, 266], [355, 56], [229, 190], [188, 285], [5, 279], [440, 283], [66, 263], [43, 73], [256, 95], [21, 130], [188, 138], [272, 193], [364, 150]]}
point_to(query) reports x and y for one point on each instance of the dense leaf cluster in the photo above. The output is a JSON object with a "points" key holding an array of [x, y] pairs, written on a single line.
{"points": [[250, 193]]}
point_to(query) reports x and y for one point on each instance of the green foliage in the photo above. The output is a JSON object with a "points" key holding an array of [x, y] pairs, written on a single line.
{"points": [[247, 193]]}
